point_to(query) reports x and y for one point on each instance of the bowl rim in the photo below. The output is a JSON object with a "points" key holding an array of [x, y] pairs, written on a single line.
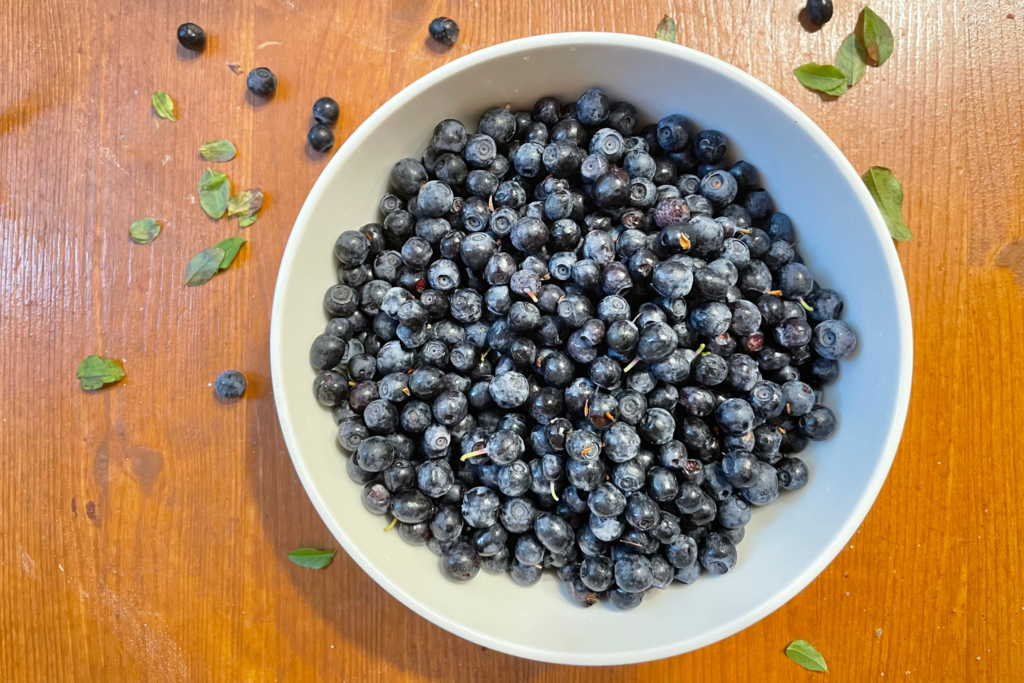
{"points": [[725, 70]]}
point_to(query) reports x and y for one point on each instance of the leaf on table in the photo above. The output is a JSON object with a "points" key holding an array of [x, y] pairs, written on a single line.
{"points": [[312, 558], [203, 266], [246, 221], [875, 36], [246, 203], [218, 150], [821, 77], [804, 654], [230, 247], [852, 60], [144, 230], [163, 105], [214, 190], [666, 29], [887, 192], [96, 371]]}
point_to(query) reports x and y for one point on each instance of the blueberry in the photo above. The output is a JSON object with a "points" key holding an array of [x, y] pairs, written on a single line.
{"points": [[553, 532], [444, 30], [746, 175], [818, 424], [823, 371], [191, 37], [509, 390], [499, 124], [796, 332], [799, 398], [525, 574], [326, 111], [674, 132], [719, 188], [624, 600], [642, 512], [460, 562], [758, 204], [792, 473], [376, 498], [739, 468], [735, 416], [819, 11], [623, 117], [717, 553], [562, 158], [834, 339], [380, 416], [261, 82], [231, 384], [608, 143], [765, 488], [593, 107], [633, 573], [709, 146], [435, 478]]}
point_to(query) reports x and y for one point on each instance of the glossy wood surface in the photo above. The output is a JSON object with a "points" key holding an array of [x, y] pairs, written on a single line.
{"points": [[144, 528]]}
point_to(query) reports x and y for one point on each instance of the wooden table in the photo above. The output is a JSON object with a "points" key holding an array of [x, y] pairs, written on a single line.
{"points": [[144, 528]]}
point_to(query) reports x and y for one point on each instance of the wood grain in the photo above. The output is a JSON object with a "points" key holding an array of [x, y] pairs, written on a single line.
{"points": [[143, 529]]}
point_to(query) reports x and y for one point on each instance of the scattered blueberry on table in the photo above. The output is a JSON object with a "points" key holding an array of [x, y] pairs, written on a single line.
{"points": [[261, 82], [191, 37], [819, 11], [444, 30], [230, 384], [579, 343], [320, 138], [326, 111]]}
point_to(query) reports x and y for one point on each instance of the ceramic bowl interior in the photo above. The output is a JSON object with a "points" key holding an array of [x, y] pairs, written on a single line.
{"points": [[841, 236]]}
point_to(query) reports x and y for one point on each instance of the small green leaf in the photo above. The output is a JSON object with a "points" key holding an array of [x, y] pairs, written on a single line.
{"points": [[95, 371], [203, 266], [666, 30], [852, 60], [888, 194], [144, 230], [804, 654], [311, 558], [214, 190], [875, 36], [246, 221], [218, 150], [230, 247], [163, 105], [821, 77], [246, 203]]}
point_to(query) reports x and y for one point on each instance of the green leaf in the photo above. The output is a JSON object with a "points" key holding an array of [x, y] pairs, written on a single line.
{"points": [[218, 150], [203, 266], [852, 60], [246, 221], [164, 105], [246, 203], [821, 77], [214, 190], [888, 194], [144, 230], [230, 247], [875, 36], [666, 29], [95, 371], [311, 558], [804, 654]]}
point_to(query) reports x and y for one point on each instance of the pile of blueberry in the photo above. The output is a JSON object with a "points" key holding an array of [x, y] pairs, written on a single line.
{"points": [[577, 343]]}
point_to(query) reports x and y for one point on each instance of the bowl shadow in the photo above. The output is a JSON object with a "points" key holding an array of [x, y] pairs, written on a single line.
{"points": [[347, 600]]}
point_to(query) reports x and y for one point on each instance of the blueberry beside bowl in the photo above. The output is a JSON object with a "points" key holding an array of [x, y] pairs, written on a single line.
{"points": [[842, 237]]}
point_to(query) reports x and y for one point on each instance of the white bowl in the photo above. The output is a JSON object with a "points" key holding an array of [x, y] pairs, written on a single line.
{"points": [[841, 235]]}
